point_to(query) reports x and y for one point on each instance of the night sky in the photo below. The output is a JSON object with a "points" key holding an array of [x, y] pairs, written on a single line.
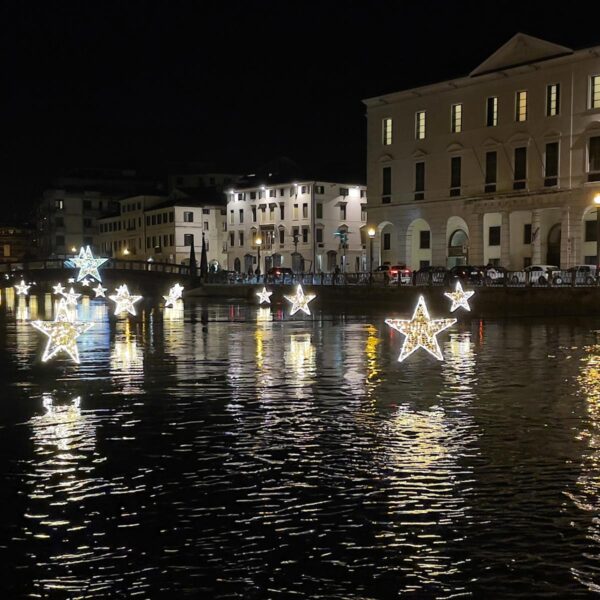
{"points": [[139, 84]]}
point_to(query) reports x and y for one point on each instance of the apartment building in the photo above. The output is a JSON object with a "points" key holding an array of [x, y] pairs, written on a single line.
{"points": [[501, 166], [309, 226]]}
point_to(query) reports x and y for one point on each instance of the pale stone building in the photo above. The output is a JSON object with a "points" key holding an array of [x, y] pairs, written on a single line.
{"points": [[309, 226], [501, 166]]}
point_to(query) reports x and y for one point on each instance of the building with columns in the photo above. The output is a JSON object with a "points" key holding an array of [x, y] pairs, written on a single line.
{"points": [[501, 166]]}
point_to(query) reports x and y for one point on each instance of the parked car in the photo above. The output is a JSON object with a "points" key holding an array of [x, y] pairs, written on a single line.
{"points": [[465, 274], [494, 275], [579, 275], [401, 272], [535, 274], [431, 273], [280, 275]]}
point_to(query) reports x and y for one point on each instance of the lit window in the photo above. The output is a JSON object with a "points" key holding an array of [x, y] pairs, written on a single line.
{"points": [[456, 118], [492, 112], [595, 91], [295, 212], [521, 106], [420, 125], [594, 159], [552, 100], [386, 132], [188, 217]]}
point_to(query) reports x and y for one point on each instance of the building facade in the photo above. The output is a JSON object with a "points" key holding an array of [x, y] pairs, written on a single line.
{"points": [[500, 167], [309, 226], [16, 243]]}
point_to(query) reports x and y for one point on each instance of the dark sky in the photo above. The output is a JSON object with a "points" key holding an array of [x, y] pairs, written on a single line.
{"points": [[139, 83]]}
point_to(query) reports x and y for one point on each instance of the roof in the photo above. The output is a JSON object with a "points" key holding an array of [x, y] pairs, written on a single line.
{"points": [[196, 197]]}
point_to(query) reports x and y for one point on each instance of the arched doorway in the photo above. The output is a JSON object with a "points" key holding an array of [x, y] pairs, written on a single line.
{"points": [[553, 253], [297, 262], [248, 263], [458, 248], [237, 265], [268, 262], [277, 260], [331, 260]]}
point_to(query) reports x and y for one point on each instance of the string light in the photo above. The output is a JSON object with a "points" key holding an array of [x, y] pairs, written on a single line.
{"points": [[62, 333], [124, 300], [22, 288], [264, 296], [459, 298], [87, 264], [420, 331], [174, 294], [300, 301]]}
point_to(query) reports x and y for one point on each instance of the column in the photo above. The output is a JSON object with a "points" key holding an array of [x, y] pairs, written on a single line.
{"points": [[439, 244], [505, 240], [476, 239], [536, 237]]}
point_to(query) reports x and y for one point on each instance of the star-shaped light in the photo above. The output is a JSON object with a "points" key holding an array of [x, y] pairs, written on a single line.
{"points": [[58, 289], [62, 333], [85, 282], [300, 301], [174, 294], [124, 300], [264, 296], [99, 290], [87, 264], [22, 288], [420, 331], [71, 280], [459, 298], [71, 297]]}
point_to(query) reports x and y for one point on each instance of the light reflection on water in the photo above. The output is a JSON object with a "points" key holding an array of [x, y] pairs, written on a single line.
{"points": [[222, 451]]}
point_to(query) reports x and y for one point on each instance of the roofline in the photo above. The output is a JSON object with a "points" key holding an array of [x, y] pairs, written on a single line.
{"points": [[290, 183]]}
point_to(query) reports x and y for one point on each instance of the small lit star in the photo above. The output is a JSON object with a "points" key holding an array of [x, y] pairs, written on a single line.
{"points": [[300, 301], [420, 331], [85, 282], [62, 333], [174, 294], [71, 280], [87, 264], [99, 290], [71, 297], [22, 288], [124, 300], [264, 296], [459, 298], [58, 289]]}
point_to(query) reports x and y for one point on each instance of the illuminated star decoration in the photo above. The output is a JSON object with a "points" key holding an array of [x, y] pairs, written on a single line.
{"points": [[71, 297], [459, 298], [99, 290], [124, 300], [22, 288], [300, 301], [58, 289], [420, 331], [174, 295], [62, 333], [85, 282], [87, 264], [264, 297]]}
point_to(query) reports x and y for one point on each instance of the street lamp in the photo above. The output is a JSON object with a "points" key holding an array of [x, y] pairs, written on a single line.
{"points": [[371, 233], [126, 251], [258, 243]]}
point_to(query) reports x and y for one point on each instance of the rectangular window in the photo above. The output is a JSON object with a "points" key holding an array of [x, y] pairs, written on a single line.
{"points": [[551, 165], [363, 212], [171, 217], [188, 239], [520, 168], [491, 171], [527, 233], [231, 217], [282, 211], [159, 219], [241, 215], [342, 212], [419, 181], [319, 210], [295, 212], [491, 117], [253, 214], [60, 240], [456, 118], [304, 235], [87, 223], [386, 185], [319, 236], [282, 236], [552, 99], [148, 243], [521, 106], [455, 173], [205, 225], [271, 212], [188, 217], [595, 91], [154, 219], [305, 211], [305, 189], [252, 195], [59, 204], [594, 159], [590, 231], [420, 125], [386, 132], [319, 189], [424, 240], [272, 193], [241, 237], [494, 235], [147, 220], [205, 211], [281, 191], [165, 239], [171, 240], [344, 191], [240, 196], [387, 241]]}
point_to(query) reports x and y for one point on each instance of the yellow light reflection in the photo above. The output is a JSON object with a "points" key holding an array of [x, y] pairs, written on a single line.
{"points": [[299, 358]]}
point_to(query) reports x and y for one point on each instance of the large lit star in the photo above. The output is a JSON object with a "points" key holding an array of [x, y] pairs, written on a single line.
{"points": [[264, 296], [99, 291], [124, 300], [174, 294], [22, 288], [459, 298], [300, 301], [62, 333], [87, 264], [420, 331]]}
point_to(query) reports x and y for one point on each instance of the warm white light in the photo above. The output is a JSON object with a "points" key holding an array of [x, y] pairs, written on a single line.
{"points": [[420, 331], [62, 333], [174, 294], [86, 282], [371, 232], [22, 288], [71, 297], [597, 199], [258, 241], [58, 289], [126, 251], [124, 301], [73, 249], [300, 301], [459, 298], [99, 290], [264, 296], [87, 264]]}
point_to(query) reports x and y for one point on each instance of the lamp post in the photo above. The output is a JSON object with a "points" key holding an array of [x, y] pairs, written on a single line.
{"points": [[597, 203], [258, 243], [371, 233]]}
